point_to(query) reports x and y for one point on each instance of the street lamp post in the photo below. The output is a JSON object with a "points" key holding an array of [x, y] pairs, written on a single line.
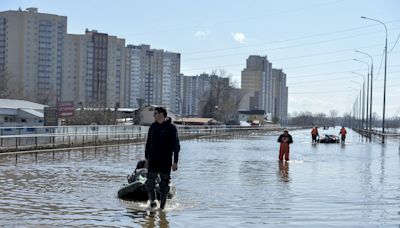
{"points": [[372, 81], [364, 100], [358, 106], [352, 112], [366, 63], [362, 107], [384, 79]]}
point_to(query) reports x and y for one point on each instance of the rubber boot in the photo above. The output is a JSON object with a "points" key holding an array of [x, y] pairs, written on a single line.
{"points": [[163, 200], [152, 198]]}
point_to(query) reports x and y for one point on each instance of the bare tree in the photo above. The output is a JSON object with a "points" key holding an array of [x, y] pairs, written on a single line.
{"points": [[95, 114], [6, 88], [46, 97], [333, 114], [223, 98]]}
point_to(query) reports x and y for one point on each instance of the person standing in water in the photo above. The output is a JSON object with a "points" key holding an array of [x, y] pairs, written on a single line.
{"points": [[343, 132], [314, 134], [162, 151], [285, 139]]}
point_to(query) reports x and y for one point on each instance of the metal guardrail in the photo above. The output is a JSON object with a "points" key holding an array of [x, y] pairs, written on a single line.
{"points": [[40, 138], [35, 137], [377, 133]]}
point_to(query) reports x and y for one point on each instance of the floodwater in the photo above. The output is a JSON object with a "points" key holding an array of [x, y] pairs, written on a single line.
{"points": [[220, 183]]}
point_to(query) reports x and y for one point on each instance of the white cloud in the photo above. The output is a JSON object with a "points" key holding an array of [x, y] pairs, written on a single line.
{"points": [[239, 37], [201, 34]]}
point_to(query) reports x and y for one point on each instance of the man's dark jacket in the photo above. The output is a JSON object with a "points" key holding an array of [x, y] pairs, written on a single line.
{"points": [[162, 142], [290, 139]]}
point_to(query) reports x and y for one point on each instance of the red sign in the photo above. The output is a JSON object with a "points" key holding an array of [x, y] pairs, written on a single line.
{"points": [[65, 109]]}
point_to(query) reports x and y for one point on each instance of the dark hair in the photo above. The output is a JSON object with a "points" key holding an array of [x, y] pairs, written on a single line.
{"points": [[161, 110]]}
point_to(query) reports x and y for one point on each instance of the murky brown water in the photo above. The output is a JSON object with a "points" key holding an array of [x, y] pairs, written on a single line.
{"points": [[232, 183]]}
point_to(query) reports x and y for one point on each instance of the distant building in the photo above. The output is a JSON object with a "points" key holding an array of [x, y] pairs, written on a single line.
{"points": [[20, 113], [195, 93], [136, 68], [264, 88], [196, 121], [39, 61], [94, 72], [280, 96], [256, 84], [153, 77], [252, 117], [171, 81], [31, 52]]}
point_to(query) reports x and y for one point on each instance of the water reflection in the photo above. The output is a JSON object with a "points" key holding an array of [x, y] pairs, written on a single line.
{"points": [[156, 219], [284, 171]]}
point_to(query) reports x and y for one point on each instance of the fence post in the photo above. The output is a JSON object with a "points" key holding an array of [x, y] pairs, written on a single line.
{"points": [[54, 138], [36, 140], [19, 138]]}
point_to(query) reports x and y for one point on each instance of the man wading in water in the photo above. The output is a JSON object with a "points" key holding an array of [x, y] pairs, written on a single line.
{"points": [[285, 139], [162, 143]]}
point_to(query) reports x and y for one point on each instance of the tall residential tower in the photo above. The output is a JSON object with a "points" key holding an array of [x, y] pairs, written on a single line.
{"points": [[31, 54]]}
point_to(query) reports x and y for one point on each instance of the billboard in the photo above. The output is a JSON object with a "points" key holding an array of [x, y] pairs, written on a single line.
{"points": [[50, 116], [65, 109]]}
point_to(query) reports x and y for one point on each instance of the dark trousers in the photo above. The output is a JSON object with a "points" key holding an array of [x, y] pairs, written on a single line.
{"points": [[314, 138], [151, 183]]}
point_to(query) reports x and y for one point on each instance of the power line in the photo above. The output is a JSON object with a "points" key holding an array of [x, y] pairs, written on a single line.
{"points": [[319, 92], [290, 39], [380, 66], [395, 43], [295, 57], [316, 92], [330, 79], [286, 68], [318, 64]]}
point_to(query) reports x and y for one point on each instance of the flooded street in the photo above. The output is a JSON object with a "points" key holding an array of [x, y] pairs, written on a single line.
{"points": [[229, 183]]}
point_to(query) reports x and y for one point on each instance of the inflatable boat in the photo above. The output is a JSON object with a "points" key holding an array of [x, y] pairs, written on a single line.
{"points": [[136, 191], [329, 139]]}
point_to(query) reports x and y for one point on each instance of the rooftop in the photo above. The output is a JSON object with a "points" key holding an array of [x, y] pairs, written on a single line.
{"points": [[20, 104]]}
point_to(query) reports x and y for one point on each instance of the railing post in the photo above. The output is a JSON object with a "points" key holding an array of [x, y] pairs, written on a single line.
{"points": [[107, 134], [36, 139], [19, 138], [54, 138]]}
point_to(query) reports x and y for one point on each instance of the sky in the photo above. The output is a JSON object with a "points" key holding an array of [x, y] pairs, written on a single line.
{"points": [[313, 41]]}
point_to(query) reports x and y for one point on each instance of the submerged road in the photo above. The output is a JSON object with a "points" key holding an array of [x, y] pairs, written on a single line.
{"points": [[225, 183]]}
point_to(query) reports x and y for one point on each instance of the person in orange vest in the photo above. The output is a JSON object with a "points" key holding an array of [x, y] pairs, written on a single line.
{"points": [[285, 139], [314, 134], [343, 132]]}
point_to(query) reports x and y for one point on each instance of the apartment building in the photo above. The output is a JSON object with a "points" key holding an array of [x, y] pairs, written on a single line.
{"points": [[280, 96], [31, 52], [256, 84], [171, 81], [94, 70], [153, 77]]}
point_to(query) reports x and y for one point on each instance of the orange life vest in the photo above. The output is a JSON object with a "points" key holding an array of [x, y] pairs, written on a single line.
{"points": [[314, 131]]}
